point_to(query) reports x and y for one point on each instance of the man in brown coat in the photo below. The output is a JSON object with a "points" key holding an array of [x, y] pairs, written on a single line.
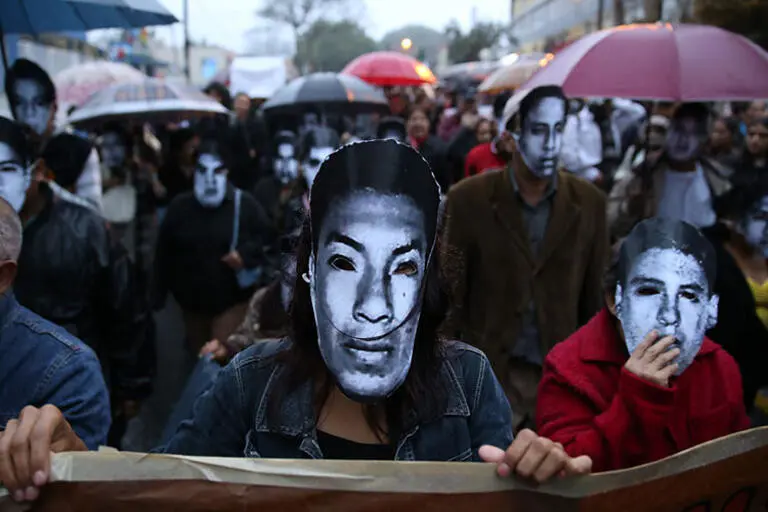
{"points": [[523, 251]]}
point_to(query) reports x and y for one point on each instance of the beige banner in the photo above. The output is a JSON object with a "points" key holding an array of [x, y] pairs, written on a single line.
{"points": [[728, 474]]}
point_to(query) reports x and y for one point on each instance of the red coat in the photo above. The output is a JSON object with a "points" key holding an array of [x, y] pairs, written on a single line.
{"points": [[593, 406], [480, 159]]}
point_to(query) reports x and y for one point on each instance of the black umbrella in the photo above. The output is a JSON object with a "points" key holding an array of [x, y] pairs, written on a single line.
{"points": [[328, 92]]}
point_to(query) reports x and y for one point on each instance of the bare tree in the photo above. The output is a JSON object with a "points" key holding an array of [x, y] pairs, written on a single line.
{"points": [[298, 14]]}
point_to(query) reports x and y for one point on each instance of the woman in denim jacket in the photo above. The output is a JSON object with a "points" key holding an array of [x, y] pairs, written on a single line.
{"points": [[363, 374]]}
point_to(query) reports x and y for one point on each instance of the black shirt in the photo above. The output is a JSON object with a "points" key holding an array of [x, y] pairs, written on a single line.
{"points": [[338, 448]]}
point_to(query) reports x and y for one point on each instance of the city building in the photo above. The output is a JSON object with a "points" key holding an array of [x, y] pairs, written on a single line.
{"points": [[548, 25]]}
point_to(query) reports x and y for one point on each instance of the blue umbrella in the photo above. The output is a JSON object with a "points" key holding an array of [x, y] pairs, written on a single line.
{"points": [[41, 16]]}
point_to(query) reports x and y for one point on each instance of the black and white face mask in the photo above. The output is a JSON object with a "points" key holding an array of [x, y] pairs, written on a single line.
{"points": [[667, 290], [210, 181], [15, 177], [312, 164], [30, 106], [366, 279], [285, 165], [113, 150], [541, 136], [754, 226], [685, 140]]}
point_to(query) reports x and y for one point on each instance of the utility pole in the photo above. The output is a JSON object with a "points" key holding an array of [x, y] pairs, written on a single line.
{"points": [[600, 13], [187, 71]]}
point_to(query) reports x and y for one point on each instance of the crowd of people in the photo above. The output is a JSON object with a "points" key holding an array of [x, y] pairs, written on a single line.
{"points": [[552, 285]]}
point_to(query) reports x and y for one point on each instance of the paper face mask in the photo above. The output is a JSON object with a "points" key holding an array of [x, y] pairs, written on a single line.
{"points": [[666, 289], [684, 140], [370, 256], [113, 150], [541, 136], [312, 165], [286, 166], [755, 226], [29, 105], [14, 177], [210, 181]]}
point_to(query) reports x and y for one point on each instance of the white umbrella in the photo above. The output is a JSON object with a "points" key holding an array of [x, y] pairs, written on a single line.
{"points": [[152, 100]]}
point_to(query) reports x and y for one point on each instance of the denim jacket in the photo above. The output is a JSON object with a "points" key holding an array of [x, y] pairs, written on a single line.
{"points": [[41, 363], [230, 419]]}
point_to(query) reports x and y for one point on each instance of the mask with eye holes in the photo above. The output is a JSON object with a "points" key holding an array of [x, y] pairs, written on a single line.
{"points": [[210, 180], [285, 165], [665, 278], [373, 212], [15, 168], [539, 140]]}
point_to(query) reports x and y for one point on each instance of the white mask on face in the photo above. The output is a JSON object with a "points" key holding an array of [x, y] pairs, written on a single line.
{"points": [[210, 185], [312, 165], [684, 141], [14, 177], [667, 291], [366, 278], [286, 167], [113, 151], [30, 106], [541, 137], [755, 227]]}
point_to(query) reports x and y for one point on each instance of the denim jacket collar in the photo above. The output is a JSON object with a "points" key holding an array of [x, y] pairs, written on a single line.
{"points": [[297, 416], [9, 308]]}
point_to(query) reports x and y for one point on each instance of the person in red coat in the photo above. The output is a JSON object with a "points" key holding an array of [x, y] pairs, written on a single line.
{"points": [[640, 381], [488, 154]]}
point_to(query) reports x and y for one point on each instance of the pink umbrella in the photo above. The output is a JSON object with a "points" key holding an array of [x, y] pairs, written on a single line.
{"points": [[76, 84], [660, 62]]}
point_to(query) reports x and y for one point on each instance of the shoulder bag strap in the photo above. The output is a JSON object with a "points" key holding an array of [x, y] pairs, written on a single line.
{"points": [[236, 227]]}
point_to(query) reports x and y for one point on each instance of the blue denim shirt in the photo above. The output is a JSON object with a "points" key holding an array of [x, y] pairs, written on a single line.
{"points": [[230, 419], [41, 363]]}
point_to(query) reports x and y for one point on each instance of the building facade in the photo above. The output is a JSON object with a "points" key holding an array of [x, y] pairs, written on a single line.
{"points": [[547, 25]]}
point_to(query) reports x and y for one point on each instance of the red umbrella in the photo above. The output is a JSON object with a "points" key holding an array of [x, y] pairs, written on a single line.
{"points": [[660, 62], [390, 69]]}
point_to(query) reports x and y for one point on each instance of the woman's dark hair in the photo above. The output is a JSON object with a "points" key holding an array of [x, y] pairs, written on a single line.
{"points": [[17, 136], [491, 124], [220, 90], [413, 109], [662, 233], [747, 188], [24, 69], [391, 168], [66, 155]]}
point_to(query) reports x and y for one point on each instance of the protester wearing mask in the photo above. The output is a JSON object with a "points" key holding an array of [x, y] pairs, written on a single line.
{"points": [[316, 145], [582, 143], [267, 315], [486, 155], [69, 271], [430, 146], [364, 374], [682, 183], [281, 192], [195, 260], [523, 250], [31, 347], [32, 97], [640, 381]]}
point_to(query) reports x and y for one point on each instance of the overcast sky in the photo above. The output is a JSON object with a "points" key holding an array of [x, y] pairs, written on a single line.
{"points": [[224, 22]]}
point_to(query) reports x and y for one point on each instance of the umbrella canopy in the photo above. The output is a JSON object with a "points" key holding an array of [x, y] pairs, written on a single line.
{"points": [[478, 70], [390, 69], [76, 84], [328, 91], [511, 77], [152, 100], [660, 62], [39, 16]]}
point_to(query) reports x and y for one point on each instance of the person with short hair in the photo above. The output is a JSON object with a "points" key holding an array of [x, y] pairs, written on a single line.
{"points": [[41, 363], [641, 381], [523, 250]]}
